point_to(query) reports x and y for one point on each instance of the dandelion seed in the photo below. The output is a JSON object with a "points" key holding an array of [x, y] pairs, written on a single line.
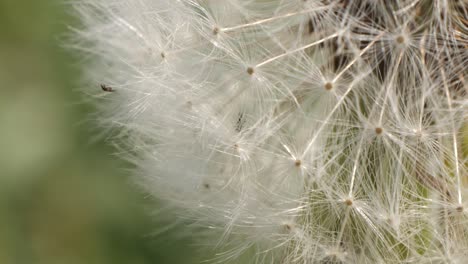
{"points": [[378, 130], [297, 163], [328, 86], [400, 39]]}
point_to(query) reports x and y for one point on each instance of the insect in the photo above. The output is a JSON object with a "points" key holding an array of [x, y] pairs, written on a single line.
{"points": [[311, 26], [240, 122], [106, 88]]}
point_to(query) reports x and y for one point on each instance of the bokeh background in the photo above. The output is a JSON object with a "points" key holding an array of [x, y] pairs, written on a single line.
{"points": [[64, 198]]}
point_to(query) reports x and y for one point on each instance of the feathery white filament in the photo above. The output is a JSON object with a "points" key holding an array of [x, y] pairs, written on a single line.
{"points": [[292, 131]]}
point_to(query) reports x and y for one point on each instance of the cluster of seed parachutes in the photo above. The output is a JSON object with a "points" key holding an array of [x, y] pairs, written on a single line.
{"points": [[292, 131]]}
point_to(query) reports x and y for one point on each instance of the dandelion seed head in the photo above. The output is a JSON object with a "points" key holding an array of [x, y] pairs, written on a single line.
{"points": [[294, 131]]}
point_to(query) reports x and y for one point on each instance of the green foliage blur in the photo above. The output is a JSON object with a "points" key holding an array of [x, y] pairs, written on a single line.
{"points": [[63, 197]]}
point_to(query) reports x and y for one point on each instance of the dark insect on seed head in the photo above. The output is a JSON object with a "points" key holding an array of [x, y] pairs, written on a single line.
{"points": [[311, 26], [106, 88]]}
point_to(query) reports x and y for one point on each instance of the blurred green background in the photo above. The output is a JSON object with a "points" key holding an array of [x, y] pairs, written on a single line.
{"points": [[63, 198]]}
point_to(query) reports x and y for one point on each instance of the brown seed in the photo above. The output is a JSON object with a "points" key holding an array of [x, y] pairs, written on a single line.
{"points": [[349, 202], [460, 208], [215, 31], [250, 70], [378, 130], [297, 163], [400, 39], [328, 86]]}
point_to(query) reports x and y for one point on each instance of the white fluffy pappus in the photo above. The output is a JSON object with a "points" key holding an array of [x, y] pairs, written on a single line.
{"points": [[299, 131]]}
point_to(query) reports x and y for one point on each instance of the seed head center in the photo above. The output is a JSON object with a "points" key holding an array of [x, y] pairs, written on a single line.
{"points": [[328, 86], [400, 39]]}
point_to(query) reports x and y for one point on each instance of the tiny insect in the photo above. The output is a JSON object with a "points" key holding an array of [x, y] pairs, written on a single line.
{"points": [[311, 26], [106, 88], [240, 122]]}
